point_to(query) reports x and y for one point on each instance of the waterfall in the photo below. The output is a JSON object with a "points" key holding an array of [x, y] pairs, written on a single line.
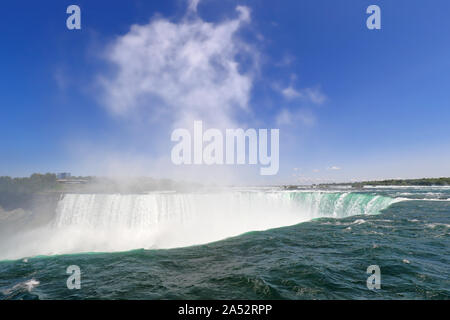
{"points": [[119, 222]]}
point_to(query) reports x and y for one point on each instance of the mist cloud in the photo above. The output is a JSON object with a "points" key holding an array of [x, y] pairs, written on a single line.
{"points": [[187, 70]]}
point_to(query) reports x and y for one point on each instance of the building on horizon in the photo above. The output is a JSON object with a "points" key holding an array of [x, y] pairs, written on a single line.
{"points": [[63, 175]]}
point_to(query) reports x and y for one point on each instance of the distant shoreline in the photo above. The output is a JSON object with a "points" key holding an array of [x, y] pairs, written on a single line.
{"points": [[424, 182]]}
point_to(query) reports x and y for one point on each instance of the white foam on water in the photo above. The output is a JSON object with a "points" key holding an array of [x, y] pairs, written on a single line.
{"points": [[28, 285], [359, 221], [434, 225]]}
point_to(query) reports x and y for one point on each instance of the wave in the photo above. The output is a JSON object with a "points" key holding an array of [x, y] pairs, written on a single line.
{"points": [[121, 222], [21, 287]]}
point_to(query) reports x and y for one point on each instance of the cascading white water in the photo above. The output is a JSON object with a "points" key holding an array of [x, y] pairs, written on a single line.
{"points": [[115, 222]]}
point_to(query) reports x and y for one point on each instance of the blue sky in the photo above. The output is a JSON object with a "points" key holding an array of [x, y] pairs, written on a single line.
{"points": [[351, 103]]}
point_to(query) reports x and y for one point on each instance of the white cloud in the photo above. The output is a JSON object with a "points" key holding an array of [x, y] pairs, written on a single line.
{"points": [[284, 118], [334, 168], [314, 95], [60, 77], [291, 93], [188, 70], [311, 180], [192, 5], [287, 60], [244, 13], [302, 116]]}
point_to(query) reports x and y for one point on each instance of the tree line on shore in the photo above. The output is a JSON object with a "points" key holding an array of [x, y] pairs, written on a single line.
{"points": [[406, 182], [19, 192], [15, 191]]}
